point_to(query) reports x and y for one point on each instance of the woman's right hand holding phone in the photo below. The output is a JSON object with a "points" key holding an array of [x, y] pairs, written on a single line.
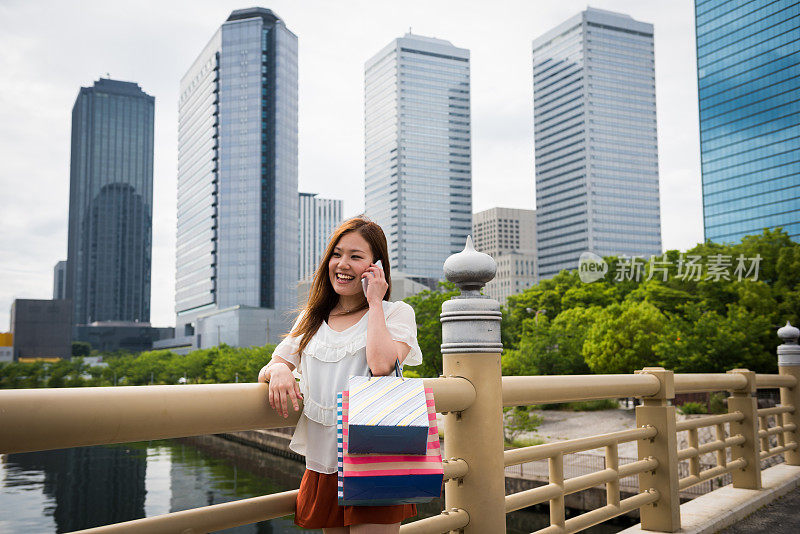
{"points": [[283, 388]]}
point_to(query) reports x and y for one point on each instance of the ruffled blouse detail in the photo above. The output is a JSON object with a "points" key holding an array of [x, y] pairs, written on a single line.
{"points": [[328, 360]]}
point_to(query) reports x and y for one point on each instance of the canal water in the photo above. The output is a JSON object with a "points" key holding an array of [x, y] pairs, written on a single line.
{"points": [[73, 489]]}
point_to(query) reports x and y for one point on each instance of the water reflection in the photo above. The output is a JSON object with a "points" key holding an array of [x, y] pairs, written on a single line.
{"points": [[73, 489]]}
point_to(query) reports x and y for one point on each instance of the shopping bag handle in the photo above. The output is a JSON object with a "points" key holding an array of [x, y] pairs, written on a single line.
{"points": [[397, 371]]}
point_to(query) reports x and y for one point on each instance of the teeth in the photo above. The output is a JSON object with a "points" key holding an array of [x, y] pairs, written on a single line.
{"points": [[344, 276]]}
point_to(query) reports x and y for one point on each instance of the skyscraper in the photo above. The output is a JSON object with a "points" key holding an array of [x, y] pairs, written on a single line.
{"points": [[111, 203], [319, 217], [237, 171], [418, 170], [60, 280], [596, 145], [748, 55]]}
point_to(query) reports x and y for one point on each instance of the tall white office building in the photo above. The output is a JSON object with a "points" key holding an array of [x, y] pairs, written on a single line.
{"points": [[595, 140], [237, 178], [418, 171], [319, 217]]}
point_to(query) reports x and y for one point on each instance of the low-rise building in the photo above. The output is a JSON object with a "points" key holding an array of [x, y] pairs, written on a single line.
{"points": [[41, 328], [110, 336], [509, 236], [6, 347]]}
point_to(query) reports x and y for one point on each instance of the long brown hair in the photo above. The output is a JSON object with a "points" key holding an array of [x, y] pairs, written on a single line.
{"points": [[322, 298]]}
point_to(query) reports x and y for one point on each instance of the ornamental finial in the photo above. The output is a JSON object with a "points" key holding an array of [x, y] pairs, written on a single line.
{"points": [[789, 334], [470, 269]]}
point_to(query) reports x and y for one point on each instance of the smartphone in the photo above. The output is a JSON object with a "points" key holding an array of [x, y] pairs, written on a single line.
{"points": [[365, 281]]}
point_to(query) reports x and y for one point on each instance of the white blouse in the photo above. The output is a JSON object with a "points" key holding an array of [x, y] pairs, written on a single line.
{"points": [[328, 360]]}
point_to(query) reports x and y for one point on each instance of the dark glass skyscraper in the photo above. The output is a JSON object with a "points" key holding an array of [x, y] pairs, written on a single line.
{"points": [[237, 171], [748, 77], [111, 203]]}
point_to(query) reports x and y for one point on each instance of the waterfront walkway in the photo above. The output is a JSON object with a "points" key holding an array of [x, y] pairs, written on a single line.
{"points": [[743, 511], [778, 517]]}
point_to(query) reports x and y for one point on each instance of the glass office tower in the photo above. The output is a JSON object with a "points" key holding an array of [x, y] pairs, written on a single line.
{"points": [[319, 217], [748, 77], [595, 140], [237, 171], [109, 247], [418, 170]]}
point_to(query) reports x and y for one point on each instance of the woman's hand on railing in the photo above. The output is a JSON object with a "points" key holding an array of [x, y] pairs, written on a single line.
{"points": [[283, 388]]}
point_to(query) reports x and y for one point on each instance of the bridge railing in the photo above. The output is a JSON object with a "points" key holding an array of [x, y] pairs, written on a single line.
{"points": [[471, 396]]}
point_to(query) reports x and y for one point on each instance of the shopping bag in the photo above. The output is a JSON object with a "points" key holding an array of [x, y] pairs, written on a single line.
{"points": [[388, 415], [387, 479]]}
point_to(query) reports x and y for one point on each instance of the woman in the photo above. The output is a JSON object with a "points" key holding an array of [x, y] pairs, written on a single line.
{"points": [[341, 332]]}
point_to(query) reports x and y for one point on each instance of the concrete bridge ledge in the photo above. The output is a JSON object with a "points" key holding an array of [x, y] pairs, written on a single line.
{"points": [[722, 508]]}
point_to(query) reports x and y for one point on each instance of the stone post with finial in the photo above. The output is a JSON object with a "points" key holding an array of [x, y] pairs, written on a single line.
{"points": [[789, 364], [471, 349]]}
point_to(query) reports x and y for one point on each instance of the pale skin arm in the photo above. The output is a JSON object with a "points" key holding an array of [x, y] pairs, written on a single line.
{"points": [[382, 350], [283, 388]]}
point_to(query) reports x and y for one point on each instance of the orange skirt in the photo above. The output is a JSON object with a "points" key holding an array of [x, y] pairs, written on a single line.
{"points": [[318, 507]]}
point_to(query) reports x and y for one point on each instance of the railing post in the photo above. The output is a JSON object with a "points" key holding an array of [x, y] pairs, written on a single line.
{"points": [[471, 349], [789, 364], [665, 514], [743, 400]]}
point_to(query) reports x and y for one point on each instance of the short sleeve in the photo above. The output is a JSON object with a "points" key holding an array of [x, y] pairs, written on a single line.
{"points": [[402, 325], [289, 346]]}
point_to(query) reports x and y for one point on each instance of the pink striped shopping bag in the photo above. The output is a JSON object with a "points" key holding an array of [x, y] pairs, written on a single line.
{"points": [[384, 479]]}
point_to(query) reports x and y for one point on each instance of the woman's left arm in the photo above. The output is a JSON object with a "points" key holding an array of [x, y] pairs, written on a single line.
{"points": [[382, 350]]}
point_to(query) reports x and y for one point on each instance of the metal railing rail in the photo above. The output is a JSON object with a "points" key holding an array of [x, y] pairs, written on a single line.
{"points": [[208, 518], [781, 429], [87, 416], [559, 487], [235, 513], [523, 390], [649, 385], [44, 419]]}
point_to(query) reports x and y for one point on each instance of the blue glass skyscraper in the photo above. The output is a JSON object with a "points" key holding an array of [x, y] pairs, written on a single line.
{"points": [[237, 171], [748, 77], [111, 203]]}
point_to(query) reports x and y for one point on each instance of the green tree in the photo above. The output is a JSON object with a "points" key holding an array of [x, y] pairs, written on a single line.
{"points": [[552, 348], [621, 339], [81, 348], [518, 420], [231, 364], [427, 308]]}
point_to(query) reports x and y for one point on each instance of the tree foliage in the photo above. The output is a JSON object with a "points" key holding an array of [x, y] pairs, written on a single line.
{"points": [[686, 323], [215, 365], [427, 308]]}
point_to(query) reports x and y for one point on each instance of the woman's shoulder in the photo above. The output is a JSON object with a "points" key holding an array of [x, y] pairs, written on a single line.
{"points": [[397, 308]]}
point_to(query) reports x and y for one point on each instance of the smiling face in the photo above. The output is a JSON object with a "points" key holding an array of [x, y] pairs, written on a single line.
{"points": [[351, 257]]}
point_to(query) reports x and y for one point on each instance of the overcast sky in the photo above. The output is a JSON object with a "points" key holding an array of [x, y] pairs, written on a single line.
{"points": [[51, 49]]}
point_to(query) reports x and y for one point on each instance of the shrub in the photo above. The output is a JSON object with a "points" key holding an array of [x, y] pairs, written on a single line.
{"points": [[592, 405], [526, 442], [518, 420], [581, 406], [716, 403], [688, 408]]}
